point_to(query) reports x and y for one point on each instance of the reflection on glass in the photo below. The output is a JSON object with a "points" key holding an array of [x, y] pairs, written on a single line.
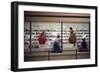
{"points": [[55, 37], [44, 34]]}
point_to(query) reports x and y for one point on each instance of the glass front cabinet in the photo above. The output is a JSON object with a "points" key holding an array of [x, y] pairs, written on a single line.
{"points": [[56, 36]]}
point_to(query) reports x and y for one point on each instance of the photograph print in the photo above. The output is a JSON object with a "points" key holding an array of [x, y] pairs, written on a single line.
{"points": [[52, 36], [56, 36]]}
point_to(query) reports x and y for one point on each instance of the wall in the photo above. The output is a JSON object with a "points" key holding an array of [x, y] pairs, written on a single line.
{"points": [[5, 17]]}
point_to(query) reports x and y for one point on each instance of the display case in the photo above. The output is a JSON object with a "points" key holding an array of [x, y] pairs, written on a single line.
{"points": [[36, 22]]}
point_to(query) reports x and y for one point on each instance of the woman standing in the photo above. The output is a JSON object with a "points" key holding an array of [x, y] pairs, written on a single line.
{"points": [[42, 40], [72, 38]]}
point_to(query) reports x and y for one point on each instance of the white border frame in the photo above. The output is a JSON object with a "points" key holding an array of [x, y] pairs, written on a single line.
{"points": [[22, 64]]}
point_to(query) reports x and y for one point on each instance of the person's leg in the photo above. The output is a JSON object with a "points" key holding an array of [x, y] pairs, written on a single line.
{"points": [[74, 44]]}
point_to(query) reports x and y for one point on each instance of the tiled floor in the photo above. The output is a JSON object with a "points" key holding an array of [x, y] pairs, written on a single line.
{"points": [[48, 55]]}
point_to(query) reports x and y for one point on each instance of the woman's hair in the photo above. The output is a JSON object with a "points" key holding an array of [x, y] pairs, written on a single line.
{"points": [[58, 36], [83, 39], [71, 28]]}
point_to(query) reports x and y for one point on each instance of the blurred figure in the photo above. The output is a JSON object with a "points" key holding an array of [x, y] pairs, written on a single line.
{"points": [[72, 38], [56, 45], [83, 46], [42, 40]]}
